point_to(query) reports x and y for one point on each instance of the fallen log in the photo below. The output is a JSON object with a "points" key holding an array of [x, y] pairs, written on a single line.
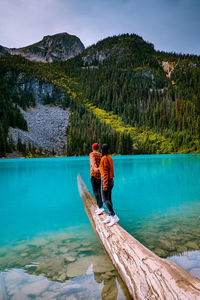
{"points": [[146, 275]]}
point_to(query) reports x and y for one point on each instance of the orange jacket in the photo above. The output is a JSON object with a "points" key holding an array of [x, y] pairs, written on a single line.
{"points": [[95, 158], [106, 169]]}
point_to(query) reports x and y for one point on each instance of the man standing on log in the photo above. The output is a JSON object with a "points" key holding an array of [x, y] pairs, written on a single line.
{"points": [[107, 175], [95, 176]]}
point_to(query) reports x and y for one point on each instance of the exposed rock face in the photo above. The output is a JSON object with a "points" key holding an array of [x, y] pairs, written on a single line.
{"points": [[168, 67], [46, 128], [58, 47], [46, 124], [40, 89], [95, 56]]}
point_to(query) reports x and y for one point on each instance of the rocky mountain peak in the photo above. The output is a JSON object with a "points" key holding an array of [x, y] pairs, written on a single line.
{"points": [[52, 48]]}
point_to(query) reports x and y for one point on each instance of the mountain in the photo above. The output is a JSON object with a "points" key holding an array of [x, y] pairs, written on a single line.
{"points": [[120, 90], [3, 51], [117, 48], [58, 47], [156, 94]]}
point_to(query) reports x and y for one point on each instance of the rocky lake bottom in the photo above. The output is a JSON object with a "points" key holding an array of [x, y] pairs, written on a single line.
{"points": [[59, 266], [169, 235], [74, 266]]}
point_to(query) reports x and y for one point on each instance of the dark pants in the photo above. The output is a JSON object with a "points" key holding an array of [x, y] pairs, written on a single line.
{"points": [[96, 186], [106, 196]]}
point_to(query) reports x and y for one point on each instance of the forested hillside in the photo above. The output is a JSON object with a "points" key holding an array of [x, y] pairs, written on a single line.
{"points": [[10, 99], [119, 91], [131, 82], [90, 128]]}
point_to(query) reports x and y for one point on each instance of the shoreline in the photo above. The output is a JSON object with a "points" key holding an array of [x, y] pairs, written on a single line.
{"points": [[113, 155]]}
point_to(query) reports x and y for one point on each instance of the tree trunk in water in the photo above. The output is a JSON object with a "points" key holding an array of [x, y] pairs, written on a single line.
{"points": [[146, 275]]}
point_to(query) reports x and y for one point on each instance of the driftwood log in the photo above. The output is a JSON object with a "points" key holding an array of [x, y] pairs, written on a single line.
{"points": [[146, 275]]}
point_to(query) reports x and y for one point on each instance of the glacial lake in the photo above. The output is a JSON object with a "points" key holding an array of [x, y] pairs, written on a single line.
{"points": [[48, 249]]}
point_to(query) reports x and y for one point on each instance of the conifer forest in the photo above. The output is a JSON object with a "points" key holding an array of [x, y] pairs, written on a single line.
{"points": [[120, 91]]}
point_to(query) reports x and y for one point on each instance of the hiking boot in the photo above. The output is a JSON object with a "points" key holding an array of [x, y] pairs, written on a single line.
{"points": [[99, 211], [114, 220], [107, 220]]}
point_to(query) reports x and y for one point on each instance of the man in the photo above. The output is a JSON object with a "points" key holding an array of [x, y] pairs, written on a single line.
{"points": [[95, 157], [107, 175]]}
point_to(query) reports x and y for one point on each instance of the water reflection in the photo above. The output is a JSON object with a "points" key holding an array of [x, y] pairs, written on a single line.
{"points": [[17, 284], [190, 261], [59, 265]]}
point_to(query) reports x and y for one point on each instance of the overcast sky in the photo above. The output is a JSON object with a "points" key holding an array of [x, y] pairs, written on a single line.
{"points": [[171, 25]]}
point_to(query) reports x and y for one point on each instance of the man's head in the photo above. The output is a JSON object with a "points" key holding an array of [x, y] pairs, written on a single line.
{"points": [[95, 147]]}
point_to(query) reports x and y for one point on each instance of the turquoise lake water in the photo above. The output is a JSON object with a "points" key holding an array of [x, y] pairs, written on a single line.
{"points": [[46, 240]]}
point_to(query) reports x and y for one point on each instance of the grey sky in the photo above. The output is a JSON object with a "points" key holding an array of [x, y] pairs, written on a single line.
{"points": [[171, 25]]}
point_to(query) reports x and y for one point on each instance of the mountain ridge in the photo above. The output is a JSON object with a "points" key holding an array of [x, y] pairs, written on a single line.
{"points": [[120, 90], [52, 48]]}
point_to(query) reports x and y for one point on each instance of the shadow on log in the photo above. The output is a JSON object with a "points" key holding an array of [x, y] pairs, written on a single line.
{"points": [[146, 275]]}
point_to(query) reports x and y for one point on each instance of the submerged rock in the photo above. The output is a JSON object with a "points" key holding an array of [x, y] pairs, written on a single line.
{"points": [[62, 277], [79, 267], [160, 252], [181, 249], [166, 245], [192, 246], [51, 266], [69, 259], [100, 264], [63, 250], [24, 254]]}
